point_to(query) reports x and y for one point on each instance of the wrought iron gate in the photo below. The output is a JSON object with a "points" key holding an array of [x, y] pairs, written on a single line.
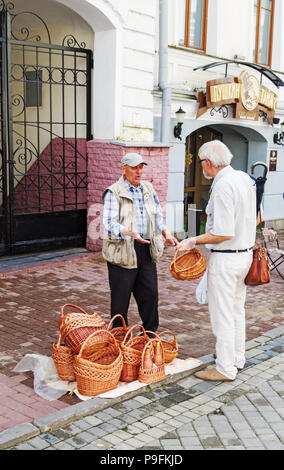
{"points": [[45, 124]]}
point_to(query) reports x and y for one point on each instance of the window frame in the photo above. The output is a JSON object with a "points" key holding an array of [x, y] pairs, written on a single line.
{"points": [[257, 33], [187, 27]]}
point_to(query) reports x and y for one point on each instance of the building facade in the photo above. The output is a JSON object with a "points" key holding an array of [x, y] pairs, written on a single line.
{"points": [[85, 81], [206, 32]]}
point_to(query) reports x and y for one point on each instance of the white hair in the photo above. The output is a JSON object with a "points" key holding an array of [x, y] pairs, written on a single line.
{"points": [[217, 152]]}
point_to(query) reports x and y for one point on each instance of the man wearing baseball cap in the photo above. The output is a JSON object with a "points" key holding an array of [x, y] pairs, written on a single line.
{"points": [[133, 242]]}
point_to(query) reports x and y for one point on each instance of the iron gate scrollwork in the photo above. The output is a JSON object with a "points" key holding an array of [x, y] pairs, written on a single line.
{"points": [[45, 124]]}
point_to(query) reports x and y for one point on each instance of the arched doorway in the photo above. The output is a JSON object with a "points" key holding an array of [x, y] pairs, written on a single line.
{"points": [[247, 146], [64, 84], [45, 92]]}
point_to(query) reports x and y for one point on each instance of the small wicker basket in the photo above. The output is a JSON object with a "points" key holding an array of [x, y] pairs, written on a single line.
{"points": [[63, 359], [189, 266], [132, 348], [75, 327], [152, 368], [102, 372], [120, 331], [170, 347]]}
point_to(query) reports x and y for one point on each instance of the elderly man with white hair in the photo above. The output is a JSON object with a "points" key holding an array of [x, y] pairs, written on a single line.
{"points": [[133, 242], [230, 237]]}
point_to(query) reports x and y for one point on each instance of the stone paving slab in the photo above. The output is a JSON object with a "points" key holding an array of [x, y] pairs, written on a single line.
{"points": [[186, 414], [30, 304]]}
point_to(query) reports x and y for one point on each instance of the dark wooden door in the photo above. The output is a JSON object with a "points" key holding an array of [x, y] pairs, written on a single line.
{"points": [[196, 186]]}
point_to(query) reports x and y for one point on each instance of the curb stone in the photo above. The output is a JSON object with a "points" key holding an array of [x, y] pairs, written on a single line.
{"points": [[65, 416], [17, 434]]}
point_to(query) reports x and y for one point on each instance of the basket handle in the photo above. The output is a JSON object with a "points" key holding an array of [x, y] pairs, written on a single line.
{"points": [[175, 258], [129, 333], [59, 341], [92, 335], [171, 333], [153, 333], [118, 315], [69, 305]]}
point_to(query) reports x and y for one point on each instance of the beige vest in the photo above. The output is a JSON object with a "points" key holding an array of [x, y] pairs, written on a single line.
{"points": [[122, 252]]}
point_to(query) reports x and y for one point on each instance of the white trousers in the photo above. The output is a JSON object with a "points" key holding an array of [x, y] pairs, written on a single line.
{"points": [[226, 302]]}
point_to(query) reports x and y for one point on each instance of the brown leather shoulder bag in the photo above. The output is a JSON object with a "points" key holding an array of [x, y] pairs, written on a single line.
{"points": [[259, 272]]}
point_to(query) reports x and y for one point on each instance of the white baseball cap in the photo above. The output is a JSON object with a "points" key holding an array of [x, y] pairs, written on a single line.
{"points": [[132, 159]]}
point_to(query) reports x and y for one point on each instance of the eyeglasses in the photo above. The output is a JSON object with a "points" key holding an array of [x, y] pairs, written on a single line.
{"points": [[200, 161]]}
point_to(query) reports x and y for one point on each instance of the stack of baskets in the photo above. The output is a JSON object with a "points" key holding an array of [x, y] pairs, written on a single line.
{"points": [[189, 266], [76, 327], [98, 356]]}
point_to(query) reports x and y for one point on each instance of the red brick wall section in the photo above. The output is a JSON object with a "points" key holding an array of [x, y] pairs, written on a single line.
{"points": [[45, 188], [104, 168]]}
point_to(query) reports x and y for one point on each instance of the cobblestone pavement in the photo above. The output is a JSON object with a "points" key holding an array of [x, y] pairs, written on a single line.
{"points": [[190, 414], [32, 295]]}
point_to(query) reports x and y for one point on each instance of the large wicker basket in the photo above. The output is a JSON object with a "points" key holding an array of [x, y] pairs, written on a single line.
{"points": [[132, 348], [152, 368], [63, 359], [75, 327], [102, 372], [189, 266], [118, 332], [170, 347]]}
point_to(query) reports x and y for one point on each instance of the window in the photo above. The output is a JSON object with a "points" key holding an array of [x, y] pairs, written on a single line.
{"points": [[195, 24], [263, 26]]}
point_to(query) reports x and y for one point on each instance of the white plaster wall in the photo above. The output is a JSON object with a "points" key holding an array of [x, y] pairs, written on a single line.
{"points": [[234, 25], [229, 32], [124, 51], [139, 40], [278, 39]]}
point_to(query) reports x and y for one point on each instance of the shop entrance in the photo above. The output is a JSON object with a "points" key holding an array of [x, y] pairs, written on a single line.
{"points": [[196, 186]]}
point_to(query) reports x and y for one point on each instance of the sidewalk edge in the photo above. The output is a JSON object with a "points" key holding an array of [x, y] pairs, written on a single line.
{"points": [[64, 416]]}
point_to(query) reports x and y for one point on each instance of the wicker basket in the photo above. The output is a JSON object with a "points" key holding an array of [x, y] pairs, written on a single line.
{"points": [[75, 327], [152, 368], [189, 266], [170, 347], [132, 348], [63, 359], [102, 373], [120, 331]]}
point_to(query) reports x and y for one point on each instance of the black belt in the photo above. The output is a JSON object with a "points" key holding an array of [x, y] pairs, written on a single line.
{"points": [[231, 251]]}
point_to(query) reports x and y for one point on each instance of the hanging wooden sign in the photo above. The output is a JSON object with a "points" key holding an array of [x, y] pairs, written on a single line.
{"points": [[244, 92]]}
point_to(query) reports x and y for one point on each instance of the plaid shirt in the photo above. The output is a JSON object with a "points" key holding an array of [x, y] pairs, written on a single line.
{"points": [[111, 213]]}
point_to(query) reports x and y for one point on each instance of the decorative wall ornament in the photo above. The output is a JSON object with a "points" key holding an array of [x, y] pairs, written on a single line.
{"points": [[221, 110], [23, 24]]}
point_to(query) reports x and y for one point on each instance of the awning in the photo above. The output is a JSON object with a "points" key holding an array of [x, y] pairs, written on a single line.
{"points": [[260, 68]]}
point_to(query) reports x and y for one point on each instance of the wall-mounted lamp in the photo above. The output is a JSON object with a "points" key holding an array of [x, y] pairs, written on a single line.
{"points": [[278, 138], [180, 119]]}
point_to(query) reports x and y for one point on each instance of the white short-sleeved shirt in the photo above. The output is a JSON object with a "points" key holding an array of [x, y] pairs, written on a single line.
{"points": [[231, 210]]}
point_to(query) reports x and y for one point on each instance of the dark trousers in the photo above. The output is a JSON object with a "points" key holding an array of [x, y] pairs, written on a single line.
{"points": [[142, 282]]}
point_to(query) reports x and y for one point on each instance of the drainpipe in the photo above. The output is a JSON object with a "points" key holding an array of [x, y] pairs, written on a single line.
{"points": [[163, 71]]}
